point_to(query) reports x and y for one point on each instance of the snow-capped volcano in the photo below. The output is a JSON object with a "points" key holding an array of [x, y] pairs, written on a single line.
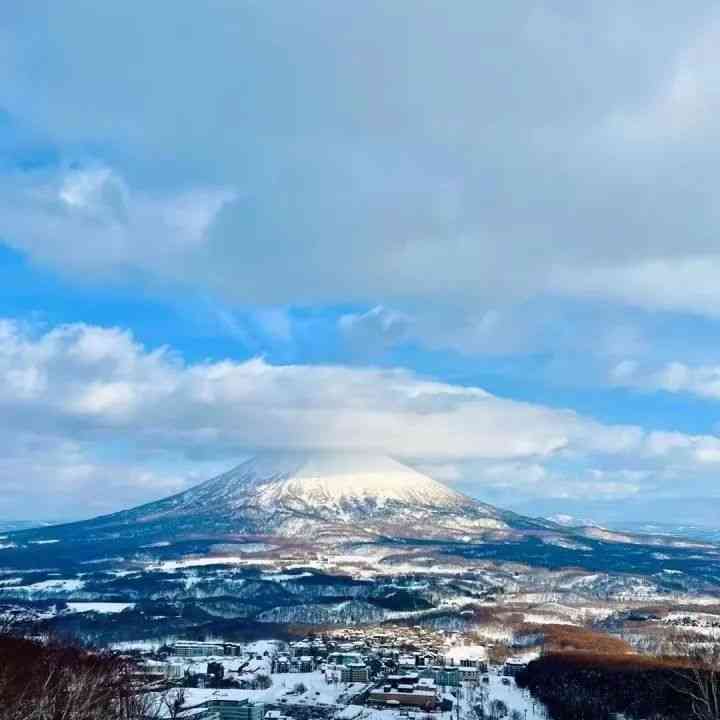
{"points": [[342, 484], [318, 495], [329, 507], [292, 493]]}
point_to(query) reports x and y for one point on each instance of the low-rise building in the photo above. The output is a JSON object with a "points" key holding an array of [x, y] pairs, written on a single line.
{"points": [[355, 673], [196, 648], [467, 656], [470, 674], [344, 658], [275, 715], [406, 661], [418, 695], [305, 664], [229, 709], [444, 676], [517, 663]]}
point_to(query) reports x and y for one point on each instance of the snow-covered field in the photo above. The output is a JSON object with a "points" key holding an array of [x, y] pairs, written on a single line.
{"points": [[174, 565], [45, 588], [283, 691], [515, 698], [312, 689], [99, 607], [705, 625]]}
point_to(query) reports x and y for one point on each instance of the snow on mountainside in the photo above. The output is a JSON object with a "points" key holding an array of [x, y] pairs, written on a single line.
{"points": [[570, 521], [312, 496], [342, 484], [347, 514], [325, 504], [293, 493]]}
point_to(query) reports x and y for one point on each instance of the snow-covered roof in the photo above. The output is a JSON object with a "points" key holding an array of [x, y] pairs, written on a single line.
{"points": [[458, 653]]}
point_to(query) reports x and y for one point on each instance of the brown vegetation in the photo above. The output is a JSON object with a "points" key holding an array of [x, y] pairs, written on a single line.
{"points": [[63, 682], [570, 638]]}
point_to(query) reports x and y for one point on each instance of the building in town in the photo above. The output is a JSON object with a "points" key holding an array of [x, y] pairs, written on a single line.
{"points": [[408, 691], [467, 656], [229, 709], [355, 673], [344, 658], [195, 648], [305, 664]]}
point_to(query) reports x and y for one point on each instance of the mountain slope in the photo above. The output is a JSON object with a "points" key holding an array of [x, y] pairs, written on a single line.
{"points": [[325, 508], [326, 496]]}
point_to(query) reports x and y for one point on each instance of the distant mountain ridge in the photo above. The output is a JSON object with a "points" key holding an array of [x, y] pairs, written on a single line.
{"points": [[13, 525]]}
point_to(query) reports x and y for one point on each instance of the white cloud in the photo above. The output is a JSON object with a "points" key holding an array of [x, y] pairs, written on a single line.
{"points": [[517, 481], [298, 178], [687, 102], [683, 282], [91, 222], [379, 327], [46, 476], [97, 391], [674, 377]]}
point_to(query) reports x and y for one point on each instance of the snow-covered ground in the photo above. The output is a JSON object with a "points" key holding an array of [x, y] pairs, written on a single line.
{"points": [[701, 624], [56, 588], [312, 689], [140, 645], [99, 607], [283, 691], [260, 647], [280, 577], [514, 698], [173, 565]]}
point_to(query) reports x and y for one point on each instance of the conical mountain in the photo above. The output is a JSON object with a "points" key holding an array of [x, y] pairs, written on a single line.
{"points": [[318, 495], [326, 507]]}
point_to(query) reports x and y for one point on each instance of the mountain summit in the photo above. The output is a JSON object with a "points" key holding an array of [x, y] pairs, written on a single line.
{"points": [[337, 486], [330, 497], [335, 505], [335, 482], [293, 494]]}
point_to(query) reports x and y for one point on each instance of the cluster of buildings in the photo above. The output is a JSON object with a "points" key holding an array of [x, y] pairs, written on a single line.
{"points": [[403, 667], [411, 669]]}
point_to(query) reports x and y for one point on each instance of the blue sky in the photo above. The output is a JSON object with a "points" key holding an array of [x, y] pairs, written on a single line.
{"points": [[483, 240]]}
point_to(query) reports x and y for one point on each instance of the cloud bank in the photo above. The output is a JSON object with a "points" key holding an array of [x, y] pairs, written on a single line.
{"points": [[90, 406], [384, 149], [524, 181]]}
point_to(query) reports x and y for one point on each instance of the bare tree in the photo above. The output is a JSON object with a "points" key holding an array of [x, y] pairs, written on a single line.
{"points": [[138, 705], [173, 701], [703, 681], [699, 680], [60, 682], [498, 709]]}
